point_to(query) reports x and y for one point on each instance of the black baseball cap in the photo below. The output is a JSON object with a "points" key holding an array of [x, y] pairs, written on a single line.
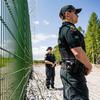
{"points": [[49, 48], [69, 8]]}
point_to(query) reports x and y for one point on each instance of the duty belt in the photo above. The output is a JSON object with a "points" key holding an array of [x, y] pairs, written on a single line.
{"points": [[72, 64], [68, 59]]}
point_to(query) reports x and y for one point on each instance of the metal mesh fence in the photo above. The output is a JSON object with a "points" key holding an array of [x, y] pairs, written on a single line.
{"points": [[15, 49]]}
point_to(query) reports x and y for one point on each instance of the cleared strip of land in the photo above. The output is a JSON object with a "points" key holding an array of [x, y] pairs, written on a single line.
{"points": [[36, 89]]}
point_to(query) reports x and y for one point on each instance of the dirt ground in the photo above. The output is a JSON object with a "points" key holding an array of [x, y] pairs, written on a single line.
{"points": [[37, 90]]}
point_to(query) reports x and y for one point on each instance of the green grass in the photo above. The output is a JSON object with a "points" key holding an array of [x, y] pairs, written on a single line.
{"points": [[5, 61], [38, 61]]}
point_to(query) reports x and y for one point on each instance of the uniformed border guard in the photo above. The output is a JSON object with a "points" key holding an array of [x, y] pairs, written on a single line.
{"points": [[75, 64], [50, 63]]}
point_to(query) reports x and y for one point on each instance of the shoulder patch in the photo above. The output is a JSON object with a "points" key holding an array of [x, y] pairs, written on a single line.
{"points": [[65, 28], [72, 28]]}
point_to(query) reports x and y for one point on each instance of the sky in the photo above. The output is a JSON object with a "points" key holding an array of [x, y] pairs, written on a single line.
{"points": [[45, 21]]}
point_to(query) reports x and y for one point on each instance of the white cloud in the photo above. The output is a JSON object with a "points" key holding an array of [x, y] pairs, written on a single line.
{"points": [[38, 49], [39, 52], [36, 22], [43, 37], [46, 22]]}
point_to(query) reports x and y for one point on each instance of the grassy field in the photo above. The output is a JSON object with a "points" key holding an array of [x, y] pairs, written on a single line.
{"points": [[5, 61], [38, 61]]}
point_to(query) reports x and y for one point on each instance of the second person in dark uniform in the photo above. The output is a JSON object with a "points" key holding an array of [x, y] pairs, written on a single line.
{"points": [[50, 63]]}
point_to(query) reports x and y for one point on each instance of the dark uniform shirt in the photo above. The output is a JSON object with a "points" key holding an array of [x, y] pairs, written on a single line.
{"points": [[69, 37], [72, 75], [50, 71], [51, 58]]}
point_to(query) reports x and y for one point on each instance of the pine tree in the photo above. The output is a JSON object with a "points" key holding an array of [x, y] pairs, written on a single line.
{"points": [[91, 38], [57, 54], [98, 42], [80, 29]]}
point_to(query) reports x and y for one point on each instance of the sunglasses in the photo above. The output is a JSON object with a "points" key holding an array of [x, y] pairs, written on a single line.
{"points": [[76, 14]]}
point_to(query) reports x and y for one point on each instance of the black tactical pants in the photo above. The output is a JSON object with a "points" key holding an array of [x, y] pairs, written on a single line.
{"points": [[50, 75], [74, 84]]}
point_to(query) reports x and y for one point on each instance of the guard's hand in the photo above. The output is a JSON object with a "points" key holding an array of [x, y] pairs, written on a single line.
{"points": [[54, 64], [87, 70]]}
